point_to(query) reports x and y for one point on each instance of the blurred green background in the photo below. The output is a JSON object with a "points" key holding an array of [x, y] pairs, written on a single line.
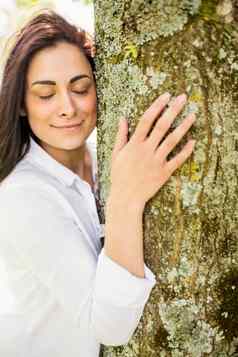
{"points": [[13, 13]]}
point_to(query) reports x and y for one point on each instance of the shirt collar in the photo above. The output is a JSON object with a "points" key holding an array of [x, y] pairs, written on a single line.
{"points": [[52, 166]]}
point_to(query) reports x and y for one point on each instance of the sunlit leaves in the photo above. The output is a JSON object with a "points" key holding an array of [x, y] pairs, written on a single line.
{"points": [[26, 3]]}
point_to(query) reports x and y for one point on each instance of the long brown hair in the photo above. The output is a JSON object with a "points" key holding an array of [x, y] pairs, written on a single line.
{"points": [[44, 30]]}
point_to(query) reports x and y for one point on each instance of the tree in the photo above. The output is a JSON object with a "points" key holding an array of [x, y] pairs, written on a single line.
{"points": [[145, 48]]}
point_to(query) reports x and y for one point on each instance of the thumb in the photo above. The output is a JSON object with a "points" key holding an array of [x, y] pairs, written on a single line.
{"points": [[121, 137]]}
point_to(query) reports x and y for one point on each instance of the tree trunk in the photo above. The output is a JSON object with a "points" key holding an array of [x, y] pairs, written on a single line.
{"points": [[145, 48]]}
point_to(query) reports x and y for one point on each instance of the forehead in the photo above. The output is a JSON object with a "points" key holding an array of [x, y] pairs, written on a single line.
{"points": [[64, 60]]}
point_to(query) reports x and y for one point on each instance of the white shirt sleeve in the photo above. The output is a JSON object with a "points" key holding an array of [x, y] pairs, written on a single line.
{"points": [[50, 247], [119, 300]]}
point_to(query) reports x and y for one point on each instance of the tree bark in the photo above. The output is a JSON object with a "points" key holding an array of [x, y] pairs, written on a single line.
{"points": [[145, 48]]}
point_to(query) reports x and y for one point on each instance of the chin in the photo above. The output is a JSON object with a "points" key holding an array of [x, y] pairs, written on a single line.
{"points": [[63, 143], [70, 144]]}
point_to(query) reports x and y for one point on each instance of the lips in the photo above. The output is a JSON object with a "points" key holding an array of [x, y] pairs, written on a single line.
{"points": [[67, 126]]}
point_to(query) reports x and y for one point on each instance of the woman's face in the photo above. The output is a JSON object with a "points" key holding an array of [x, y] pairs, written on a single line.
{"points": [[60, 92]]}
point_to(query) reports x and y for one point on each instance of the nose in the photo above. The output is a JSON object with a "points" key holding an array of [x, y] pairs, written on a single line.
{"points": [[67, 107]]}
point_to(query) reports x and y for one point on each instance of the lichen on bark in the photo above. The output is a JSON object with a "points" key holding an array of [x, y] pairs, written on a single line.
{"points": [[191, 225]]}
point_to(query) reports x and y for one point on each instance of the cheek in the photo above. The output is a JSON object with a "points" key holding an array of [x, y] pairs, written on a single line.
{"points": [[38, 110], [38, 115], [90, 103]]}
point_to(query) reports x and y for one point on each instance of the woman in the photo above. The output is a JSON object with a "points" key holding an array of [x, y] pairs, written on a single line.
{"points": [[68, 294]]}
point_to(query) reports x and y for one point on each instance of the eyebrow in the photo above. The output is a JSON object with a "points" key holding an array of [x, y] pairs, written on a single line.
{"points": [[72, 80]]}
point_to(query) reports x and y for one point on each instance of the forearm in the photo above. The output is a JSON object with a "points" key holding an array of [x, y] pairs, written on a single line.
{"points": [[124, 233]]}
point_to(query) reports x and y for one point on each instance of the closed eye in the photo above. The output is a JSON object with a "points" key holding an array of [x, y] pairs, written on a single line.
{"points": [[81, 92], [46, 97], [51, 95]]}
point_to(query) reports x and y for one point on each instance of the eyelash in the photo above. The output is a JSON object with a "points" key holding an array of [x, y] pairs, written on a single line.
{"points": [[51, 95]]}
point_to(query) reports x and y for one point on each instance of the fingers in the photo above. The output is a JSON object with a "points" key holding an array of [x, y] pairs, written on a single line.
{"points": [[150, 115], [174, 138], [181, 157], [121, 137], [166, 120]]}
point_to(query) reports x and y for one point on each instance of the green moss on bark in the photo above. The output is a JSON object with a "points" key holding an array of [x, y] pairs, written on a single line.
{"points": [[190, 227]]}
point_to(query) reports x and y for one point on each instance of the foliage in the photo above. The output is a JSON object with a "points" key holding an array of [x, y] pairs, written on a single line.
{"points": [[26, 3]]}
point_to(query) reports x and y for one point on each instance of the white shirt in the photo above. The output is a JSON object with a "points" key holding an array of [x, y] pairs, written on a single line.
{"points": [[60, 294]]}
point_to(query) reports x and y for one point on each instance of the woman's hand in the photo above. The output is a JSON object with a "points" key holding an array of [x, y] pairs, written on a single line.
{"points": [[139, 167]]}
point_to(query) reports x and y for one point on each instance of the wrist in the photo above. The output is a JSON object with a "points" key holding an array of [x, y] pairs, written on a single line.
{"points": [[120, 200]]}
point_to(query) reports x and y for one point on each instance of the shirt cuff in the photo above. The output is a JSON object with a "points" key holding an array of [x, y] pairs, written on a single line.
{"points": [[116, 285]]}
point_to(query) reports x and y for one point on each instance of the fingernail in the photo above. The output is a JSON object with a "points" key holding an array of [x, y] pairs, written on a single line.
{"points": [[192, 116], [181, 98], [165, 96]]}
